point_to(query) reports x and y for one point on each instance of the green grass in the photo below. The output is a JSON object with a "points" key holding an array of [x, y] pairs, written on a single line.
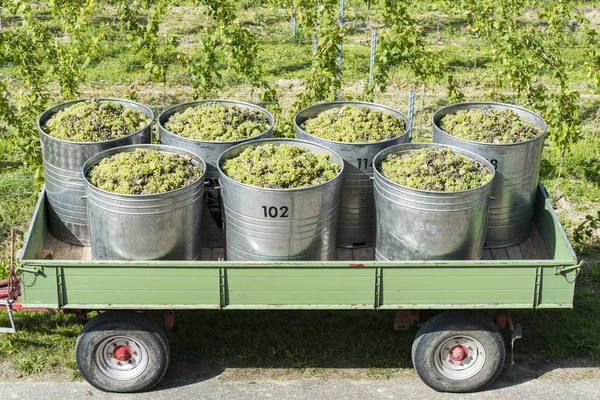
{"points": [[44, 342], [305, 341], [16, 206], [558, 335]]}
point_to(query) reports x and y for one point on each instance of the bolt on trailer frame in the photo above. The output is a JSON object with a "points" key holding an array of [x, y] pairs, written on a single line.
{"points": [[536, 274]]}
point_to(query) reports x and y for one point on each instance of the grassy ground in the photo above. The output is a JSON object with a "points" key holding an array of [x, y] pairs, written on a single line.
{"points": [[311, 342]]}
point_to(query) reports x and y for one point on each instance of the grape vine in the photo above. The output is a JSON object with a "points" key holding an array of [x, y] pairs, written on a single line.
{"points": [[143, 34], [239, 48], [402, 44], [325, 77], [40, 55], [27, 45], [531, 62], [523, 52]]}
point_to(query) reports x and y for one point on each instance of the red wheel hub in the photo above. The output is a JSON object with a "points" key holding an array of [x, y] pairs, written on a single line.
{"points": [[458, 353], [122, 353]]}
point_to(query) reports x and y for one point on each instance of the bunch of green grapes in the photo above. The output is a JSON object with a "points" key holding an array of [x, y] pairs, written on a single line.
{"points": [[434, 169], [489, 126], [280, 167], [95, 121], [354, 124], [217, 122], [144, 171]]}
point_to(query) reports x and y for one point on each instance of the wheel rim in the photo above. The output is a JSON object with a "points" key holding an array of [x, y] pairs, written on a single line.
{"points": [[121, 358], [459, 357]]}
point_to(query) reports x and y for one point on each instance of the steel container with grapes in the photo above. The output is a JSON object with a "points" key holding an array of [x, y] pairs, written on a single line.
{"points": [[517, 168], [265, 224], [65, 186], [356, 223], [161, 226], [209, 151], [414, 224]]}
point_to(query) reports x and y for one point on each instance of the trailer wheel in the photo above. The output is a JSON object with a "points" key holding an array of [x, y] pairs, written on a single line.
{"points": [[122, 351], [458, 351]]}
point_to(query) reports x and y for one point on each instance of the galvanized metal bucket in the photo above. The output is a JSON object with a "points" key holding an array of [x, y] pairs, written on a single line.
{"points": [[209, 151], [65, 187], [517, 170], [356, 222], [415, 224], [163, 226], [280, 224]]}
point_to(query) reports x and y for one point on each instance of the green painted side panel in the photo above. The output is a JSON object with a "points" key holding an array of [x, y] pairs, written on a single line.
{"points": [[161, 286], [458, 286], [40, 291], [433, 287], [556, 289], [300, 286]]}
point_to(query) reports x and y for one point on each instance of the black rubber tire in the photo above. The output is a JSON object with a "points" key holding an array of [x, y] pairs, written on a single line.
{"points": [[450, 323], [130, 324]]}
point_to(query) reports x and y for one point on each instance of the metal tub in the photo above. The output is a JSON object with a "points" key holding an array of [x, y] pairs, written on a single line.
{"points": [[65, 187], [212, 227], [280, 224], [356, 222], [163, 226], [517, 171], [415, 224]]}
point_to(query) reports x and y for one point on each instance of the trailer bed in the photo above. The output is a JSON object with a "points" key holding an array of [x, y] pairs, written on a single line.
{"points": [[531, 249], [538, 273]]}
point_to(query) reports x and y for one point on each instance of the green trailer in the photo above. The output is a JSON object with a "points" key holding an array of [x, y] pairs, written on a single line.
{"points": [[457, 350]]}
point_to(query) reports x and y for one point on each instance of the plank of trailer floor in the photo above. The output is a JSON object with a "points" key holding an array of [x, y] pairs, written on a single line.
{"points": [[218, 254], [528, 249], [77, 253], [343, 254], [486, 255], [207, 254], [363, 254], [87, 254], [514, 252], [499, 254], [63, 251]]}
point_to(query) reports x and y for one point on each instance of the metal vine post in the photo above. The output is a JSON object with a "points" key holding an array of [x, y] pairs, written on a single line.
{"points": [[339, 51], [373, 53]]}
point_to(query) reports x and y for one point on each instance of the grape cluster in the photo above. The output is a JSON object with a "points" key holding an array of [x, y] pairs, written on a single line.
{"points": [[217, 122], [95, 121], [489, 126], [143, 171], [280, 167], [434, 169], [352, 124]]}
